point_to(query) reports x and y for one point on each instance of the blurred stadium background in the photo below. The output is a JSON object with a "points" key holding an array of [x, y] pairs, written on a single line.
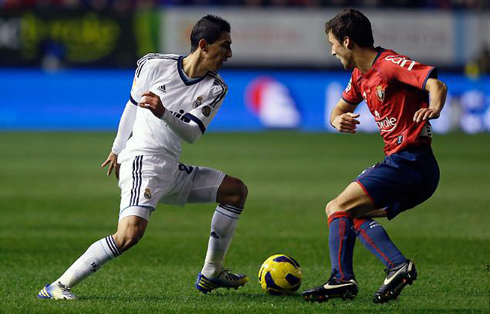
{"points": [[73, 60], [66, 67]]}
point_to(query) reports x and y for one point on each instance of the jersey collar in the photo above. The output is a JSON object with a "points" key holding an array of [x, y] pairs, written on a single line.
{"points": [[380, 51], [187, 80]]}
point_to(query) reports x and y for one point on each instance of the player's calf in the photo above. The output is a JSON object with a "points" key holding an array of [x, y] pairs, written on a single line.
{"points": [[130, 231]]}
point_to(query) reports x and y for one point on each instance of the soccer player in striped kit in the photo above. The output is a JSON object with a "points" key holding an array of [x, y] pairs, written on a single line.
{"points": [[396, 90], [173, 98]]}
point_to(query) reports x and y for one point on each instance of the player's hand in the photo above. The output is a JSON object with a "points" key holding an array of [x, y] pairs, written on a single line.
{"points": [[153, 103], [426, 114], [346, 122], [113, 165]]}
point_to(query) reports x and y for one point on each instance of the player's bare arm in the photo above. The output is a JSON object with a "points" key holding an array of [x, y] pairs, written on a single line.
{"points": [[438, 92], [113, 165], [153, 103], [342, 117]]}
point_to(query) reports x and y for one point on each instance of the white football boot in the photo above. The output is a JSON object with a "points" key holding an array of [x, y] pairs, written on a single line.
{"points": [[56, 292], [225, 279]]}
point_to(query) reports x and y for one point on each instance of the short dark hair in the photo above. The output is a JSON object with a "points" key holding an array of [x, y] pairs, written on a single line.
{"points": [[353, 24], [210, 28]]}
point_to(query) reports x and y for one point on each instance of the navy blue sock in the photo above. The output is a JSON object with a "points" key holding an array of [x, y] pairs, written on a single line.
{"points": [[376, 240], [341, 241]]}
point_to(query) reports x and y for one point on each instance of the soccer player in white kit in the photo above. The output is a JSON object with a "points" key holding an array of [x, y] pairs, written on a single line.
{"points": [[173, 98]]}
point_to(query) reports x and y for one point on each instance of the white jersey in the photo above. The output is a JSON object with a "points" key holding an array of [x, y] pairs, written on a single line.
{"points": [[188, 99]]}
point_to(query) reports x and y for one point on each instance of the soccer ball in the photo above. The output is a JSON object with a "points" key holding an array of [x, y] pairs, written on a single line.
{"points": [[280, 274]]}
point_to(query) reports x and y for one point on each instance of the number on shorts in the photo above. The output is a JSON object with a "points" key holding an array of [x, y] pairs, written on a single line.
{"points": [[185, 168]]}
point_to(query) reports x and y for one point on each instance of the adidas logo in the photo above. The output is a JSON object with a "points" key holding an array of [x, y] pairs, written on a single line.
{"points": [[162, 88]]}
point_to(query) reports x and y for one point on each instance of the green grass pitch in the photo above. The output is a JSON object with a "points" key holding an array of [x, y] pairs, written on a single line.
{"points": [[55, 201]]}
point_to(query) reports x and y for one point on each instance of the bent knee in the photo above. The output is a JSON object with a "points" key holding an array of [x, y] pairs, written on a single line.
{"points": [[242, 191], [237, 195], [127, 239], [334, 207]]}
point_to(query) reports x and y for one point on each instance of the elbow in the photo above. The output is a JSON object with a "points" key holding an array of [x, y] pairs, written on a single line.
{"points": [[443, 87], [191, 139]]}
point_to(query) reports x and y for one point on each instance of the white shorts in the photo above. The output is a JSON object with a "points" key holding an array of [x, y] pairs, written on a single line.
{"points": [[146, 181]]}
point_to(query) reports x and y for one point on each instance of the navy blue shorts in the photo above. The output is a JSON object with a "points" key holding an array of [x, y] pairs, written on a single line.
{"points": [[402, 180]]}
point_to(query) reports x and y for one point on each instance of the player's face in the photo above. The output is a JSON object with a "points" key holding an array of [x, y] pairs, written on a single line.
{"points": [[340, 51], [218, 52]]}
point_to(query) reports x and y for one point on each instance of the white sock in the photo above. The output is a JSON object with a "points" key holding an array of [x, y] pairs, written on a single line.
{"points": [[223, 225], [96, 255]]}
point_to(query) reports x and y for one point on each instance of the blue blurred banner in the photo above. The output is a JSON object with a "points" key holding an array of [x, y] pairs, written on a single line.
{"points": [[81, 100]]}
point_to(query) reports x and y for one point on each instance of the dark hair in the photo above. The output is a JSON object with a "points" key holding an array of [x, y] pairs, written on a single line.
{"points": [[209, 28], [353, 24]]}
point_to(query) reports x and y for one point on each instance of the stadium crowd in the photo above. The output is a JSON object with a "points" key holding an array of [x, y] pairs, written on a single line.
{"points": [[131, 4]]}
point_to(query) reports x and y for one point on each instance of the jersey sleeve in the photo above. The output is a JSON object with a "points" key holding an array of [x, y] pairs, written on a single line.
{"points": [[142, 80], [351, 93], [204, 113], [409, 72]]}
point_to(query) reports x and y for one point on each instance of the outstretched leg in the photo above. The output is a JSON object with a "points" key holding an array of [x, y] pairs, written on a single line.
{"points": [[130, 230]]}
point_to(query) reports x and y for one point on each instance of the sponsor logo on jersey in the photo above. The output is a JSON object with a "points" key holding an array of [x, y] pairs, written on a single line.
{"points": [[197, 102], [147, 193], [385, 125], [380, 93], [401, 61], [180, 115], [162, 88], [206, 111]]}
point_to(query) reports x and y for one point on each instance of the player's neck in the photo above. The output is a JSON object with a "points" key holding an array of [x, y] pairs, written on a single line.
{"points": [[364, 59], [192, 66]]}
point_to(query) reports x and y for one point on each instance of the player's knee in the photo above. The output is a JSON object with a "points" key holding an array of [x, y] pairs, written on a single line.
{"points": [[238, 194], [332, 207], [242, 191], [128, 238]]}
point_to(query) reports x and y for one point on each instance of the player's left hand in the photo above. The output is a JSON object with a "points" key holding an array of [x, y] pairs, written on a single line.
{"points": [[113, 165], [153, 103], [426, 114]]}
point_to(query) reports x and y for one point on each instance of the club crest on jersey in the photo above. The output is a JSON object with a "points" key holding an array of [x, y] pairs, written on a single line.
{"points": [[147, 193], [380, 93], [197, 102], [206, 111]]}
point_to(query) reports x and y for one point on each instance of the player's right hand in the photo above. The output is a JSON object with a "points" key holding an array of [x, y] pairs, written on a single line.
{"points": [[153, 103], [346, 122], [113, 165]]}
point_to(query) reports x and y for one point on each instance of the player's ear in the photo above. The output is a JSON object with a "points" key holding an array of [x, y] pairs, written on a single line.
{"points": [[348, 43], [203, 45]]}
